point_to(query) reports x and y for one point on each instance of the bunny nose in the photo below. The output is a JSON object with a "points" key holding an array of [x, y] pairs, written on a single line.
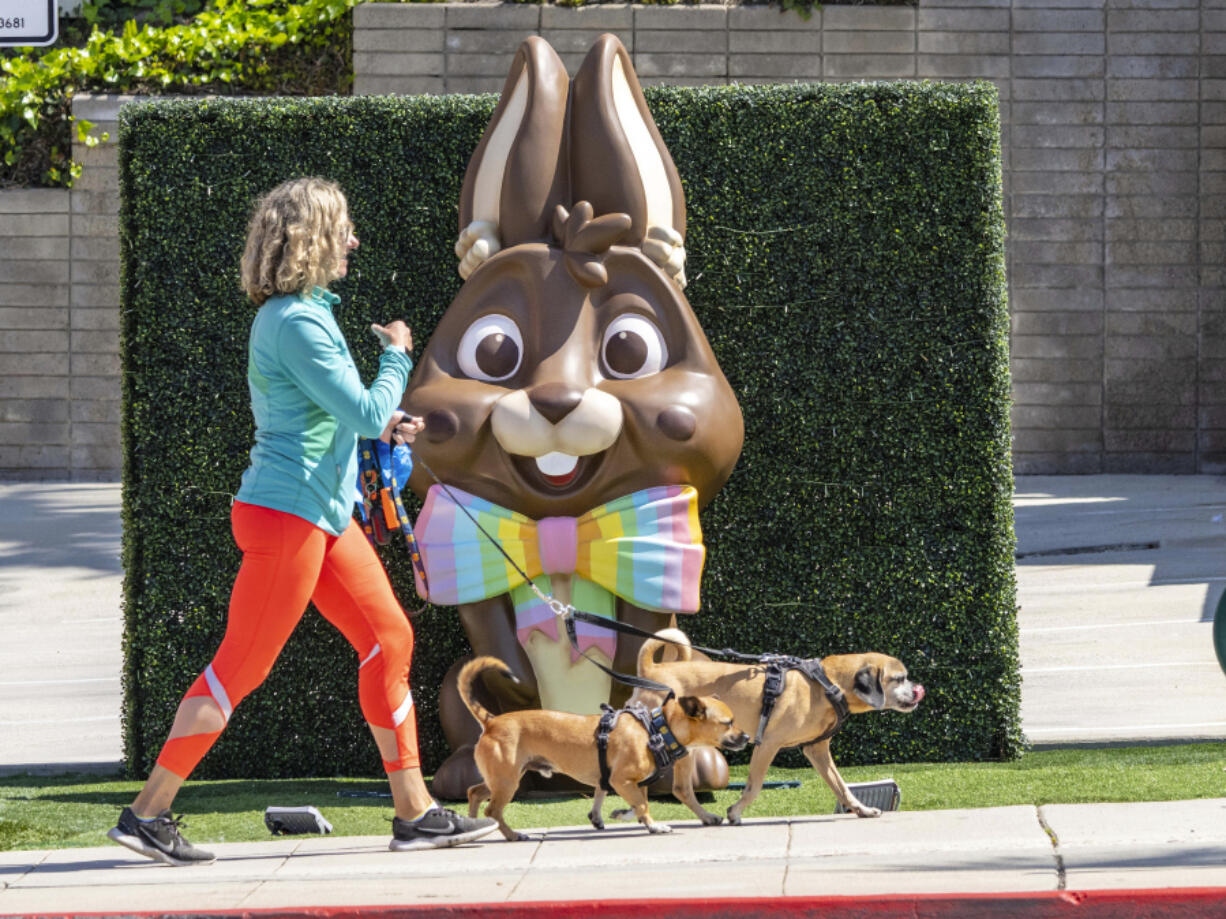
{"points": [[554, 400]]}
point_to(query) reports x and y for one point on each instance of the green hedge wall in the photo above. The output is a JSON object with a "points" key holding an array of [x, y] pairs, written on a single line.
{"points": [[846, 255]]}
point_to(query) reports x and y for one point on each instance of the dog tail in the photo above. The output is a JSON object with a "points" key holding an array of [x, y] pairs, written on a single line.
{"points": [[468, 675], [680, 651]]}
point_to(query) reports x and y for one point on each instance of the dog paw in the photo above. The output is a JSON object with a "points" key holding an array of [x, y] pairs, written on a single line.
{"points": [[711, 819], [596, 822], [863, 811], [658, 828], [621, 813], [733, 819]]}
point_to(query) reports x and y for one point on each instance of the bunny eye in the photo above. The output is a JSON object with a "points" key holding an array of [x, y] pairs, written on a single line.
{"points": [[491, 349], [633, 347]]}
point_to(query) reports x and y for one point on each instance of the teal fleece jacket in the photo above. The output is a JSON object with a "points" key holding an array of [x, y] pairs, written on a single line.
{"points": [[310, 408]]}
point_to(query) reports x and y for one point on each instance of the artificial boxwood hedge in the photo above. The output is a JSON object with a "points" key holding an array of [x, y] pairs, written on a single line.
{"points": [[846, 255]]}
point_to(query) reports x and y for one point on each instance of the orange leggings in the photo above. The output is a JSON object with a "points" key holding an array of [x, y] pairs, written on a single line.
{"points": [[286, 562]]}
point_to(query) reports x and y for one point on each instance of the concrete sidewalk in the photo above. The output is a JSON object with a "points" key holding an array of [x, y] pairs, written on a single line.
{"points": [[997, 850]]}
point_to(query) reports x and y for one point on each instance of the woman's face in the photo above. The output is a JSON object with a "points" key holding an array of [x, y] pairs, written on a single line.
{"points": [[350, 245]]}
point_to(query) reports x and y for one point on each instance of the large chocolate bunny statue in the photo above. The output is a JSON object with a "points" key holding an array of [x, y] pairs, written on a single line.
{"points": [[572, 402]]}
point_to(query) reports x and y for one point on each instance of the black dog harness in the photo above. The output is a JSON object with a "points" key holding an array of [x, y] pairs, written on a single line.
{"points": [[777, 667], [665, 749]]}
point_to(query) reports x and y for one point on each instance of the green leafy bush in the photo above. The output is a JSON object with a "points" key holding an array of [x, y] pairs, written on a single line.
{"points": [[161, 12], [846, 254], [236, 46]]}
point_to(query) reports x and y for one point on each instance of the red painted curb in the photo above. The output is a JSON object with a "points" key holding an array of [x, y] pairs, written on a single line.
{"points": [[1167, 903]]}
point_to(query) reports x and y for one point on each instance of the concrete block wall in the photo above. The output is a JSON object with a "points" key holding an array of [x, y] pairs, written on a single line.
{"points": [[59, 319], [34, 330], [1211, 238], [1114, 137]]}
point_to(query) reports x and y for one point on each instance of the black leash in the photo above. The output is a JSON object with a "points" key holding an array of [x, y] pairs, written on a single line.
{"points": [[563, 611], [777, 664]]}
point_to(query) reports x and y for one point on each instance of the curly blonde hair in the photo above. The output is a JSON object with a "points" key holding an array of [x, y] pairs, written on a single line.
{"points": [[296, 240]]}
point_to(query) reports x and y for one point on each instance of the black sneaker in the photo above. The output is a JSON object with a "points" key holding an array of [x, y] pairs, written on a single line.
{"points": [[158, 839], [438, 829]]}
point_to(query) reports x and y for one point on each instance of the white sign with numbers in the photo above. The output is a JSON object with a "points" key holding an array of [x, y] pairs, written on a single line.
{"points": [[28, 22]]}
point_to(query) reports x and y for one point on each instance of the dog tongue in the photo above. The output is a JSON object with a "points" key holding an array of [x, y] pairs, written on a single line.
{"points": [[919, 693]]}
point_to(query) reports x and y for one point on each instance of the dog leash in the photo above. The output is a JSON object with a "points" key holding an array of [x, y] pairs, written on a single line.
{"points": [[567, 613], [777, 664], [381, 506]]}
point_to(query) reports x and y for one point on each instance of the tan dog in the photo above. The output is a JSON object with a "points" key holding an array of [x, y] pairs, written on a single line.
{"points": [[802, 713], [548, 742]]}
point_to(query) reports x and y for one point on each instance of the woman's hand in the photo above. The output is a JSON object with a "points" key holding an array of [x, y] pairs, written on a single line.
{"points": [[395, 333], [403, 428]]}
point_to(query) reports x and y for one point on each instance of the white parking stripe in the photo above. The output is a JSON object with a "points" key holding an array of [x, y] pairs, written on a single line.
{"points": [[63, 721], [1162, 666], [101, 679], [1099, 729], [1194, 510], [1115, 625], [1115, 586]]}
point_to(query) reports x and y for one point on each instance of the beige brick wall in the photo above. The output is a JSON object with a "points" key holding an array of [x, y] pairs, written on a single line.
{"points": [[59, 319], [35, 323]]}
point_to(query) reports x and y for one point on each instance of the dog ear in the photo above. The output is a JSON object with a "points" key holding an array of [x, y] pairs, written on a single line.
{"points": [[867, 686], [693, 707]]}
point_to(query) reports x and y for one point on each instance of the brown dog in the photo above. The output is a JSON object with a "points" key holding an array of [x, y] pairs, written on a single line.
{"points": [[548, 742], [801, 714]]}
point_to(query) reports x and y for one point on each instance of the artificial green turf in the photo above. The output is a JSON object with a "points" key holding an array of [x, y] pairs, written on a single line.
{"points": [[46, 812]]}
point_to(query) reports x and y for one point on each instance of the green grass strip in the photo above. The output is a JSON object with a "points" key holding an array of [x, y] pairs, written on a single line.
{"points": [[51, 812]]}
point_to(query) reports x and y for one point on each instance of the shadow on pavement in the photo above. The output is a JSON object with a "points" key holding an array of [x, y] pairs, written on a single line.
{"points": [[1090, 523], [52, 525]]}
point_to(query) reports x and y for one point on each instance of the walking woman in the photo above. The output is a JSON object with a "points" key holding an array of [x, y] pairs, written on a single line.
{"points": [[292, 519]]}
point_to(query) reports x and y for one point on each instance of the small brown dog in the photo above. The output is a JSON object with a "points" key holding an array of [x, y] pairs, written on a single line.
{"points": [[801, 714], [548, 742]]}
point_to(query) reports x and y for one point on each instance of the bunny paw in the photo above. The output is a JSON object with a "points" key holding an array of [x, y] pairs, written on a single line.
{"points": [[477, 242], [666, 248]]}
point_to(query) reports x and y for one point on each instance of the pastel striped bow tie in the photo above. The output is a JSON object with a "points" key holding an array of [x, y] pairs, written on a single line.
{"points": [[645, 547]]}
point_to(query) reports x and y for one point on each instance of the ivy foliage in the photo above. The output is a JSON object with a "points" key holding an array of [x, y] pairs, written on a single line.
{"points": [[846, 260], [160, 12], [234, 46]]}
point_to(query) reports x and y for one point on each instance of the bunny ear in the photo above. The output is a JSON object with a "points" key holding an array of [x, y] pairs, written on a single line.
{"points": [[518, 173], [618, 159]]}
